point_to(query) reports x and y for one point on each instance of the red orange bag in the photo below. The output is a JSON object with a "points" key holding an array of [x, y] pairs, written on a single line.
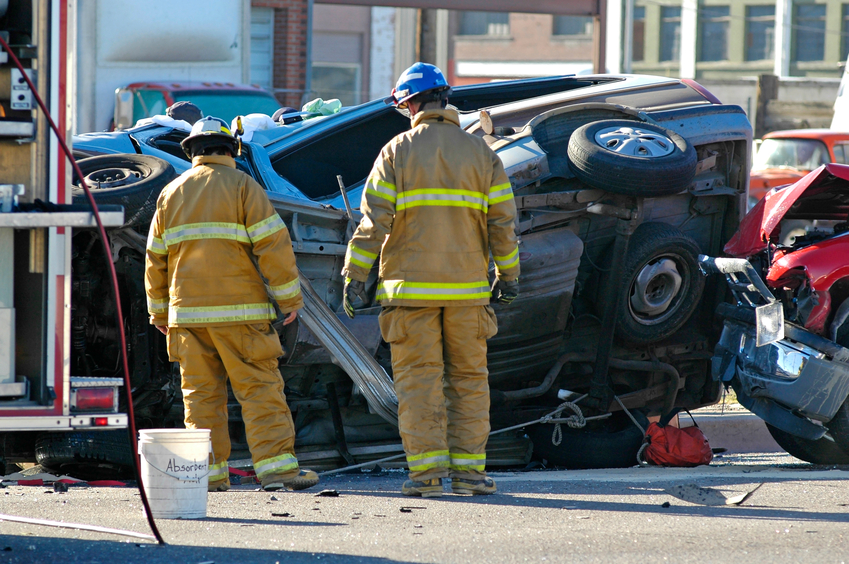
{"points": [[665, 445]]}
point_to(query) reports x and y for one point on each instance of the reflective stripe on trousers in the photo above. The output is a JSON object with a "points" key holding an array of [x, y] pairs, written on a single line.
{"points": [[219, 471], [428, 460], [283, 464]]}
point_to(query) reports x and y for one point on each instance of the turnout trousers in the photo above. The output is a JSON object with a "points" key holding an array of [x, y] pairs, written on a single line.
{"points": [[247, 355], [439, 369]]}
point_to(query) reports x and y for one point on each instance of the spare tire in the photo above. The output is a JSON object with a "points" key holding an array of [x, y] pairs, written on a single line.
{"points": [[612, 443], [661, 284], [132, 181], [86, 454], [633, 158]]}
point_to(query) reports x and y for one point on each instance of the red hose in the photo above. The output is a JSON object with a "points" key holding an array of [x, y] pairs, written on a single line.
{"points": [[131, 425]]}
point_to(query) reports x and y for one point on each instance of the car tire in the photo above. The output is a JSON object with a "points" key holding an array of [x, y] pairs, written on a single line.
{"points": [[614, 444], [660, 284], [87, 454], [822, 451], [838, 427], [633, 158], [132, 181]]}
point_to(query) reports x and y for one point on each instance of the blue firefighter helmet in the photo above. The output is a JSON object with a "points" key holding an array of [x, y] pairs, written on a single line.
{"points": [[420, 78]]}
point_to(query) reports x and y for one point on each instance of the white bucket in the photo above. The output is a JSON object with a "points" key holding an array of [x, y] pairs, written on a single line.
{"points": [[175, 471]]}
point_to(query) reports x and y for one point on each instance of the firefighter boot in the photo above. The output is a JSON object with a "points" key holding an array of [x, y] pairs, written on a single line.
{"points": [[484, 486], [302, 480], [219, 485], [423, 488]]}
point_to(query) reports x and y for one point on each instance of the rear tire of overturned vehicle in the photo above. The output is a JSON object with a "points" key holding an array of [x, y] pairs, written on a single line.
{"points": [[822, 451], [633, 158], [86, 454], [660, 282], [132, 181], [613, 444]]}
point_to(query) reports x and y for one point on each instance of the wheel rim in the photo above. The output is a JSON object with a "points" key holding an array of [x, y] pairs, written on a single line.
{"points": [[115, 177], [635, 142], [655, 291]]}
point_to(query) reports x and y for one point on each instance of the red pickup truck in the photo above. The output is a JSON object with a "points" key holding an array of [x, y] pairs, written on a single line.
{"points": [[786, 156]]}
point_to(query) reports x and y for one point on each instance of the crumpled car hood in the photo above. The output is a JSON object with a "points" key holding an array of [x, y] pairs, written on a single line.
{"points": [[762, 222]]}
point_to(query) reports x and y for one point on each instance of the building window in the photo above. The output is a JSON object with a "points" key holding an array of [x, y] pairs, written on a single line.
{"points": [[713, 21], [638, 37], [484, 23], [844, 28], [572, 25], [810, 32], [337, 80], [760, 33], [670, 33]]}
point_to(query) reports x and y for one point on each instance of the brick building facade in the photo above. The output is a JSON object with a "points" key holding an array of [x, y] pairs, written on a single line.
{"points": [[291, 18]]}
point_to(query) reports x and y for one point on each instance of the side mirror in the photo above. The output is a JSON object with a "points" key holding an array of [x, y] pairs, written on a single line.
{"points": [[123, 117]]}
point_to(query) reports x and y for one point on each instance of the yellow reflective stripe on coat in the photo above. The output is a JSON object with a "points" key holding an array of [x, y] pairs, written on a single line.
{"points": [[221, 314], [157, 306], [500, 193], [400, 289], [507, 261], [468, 461], [360, 257], [219, 471], [286, 291], [156, 245], [428, 460], [381, 189], [276, 465], [194, 231], [443, 197], [266, 227]]}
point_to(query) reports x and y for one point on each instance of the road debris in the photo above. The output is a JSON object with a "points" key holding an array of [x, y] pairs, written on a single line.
{"points": [[281, 514], [409, 508], [693, 493], [327, 493]]}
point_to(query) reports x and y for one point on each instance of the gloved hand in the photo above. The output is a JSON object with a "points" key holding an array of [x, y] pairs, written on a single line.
{"points": [[505, 292], [353, 288]]}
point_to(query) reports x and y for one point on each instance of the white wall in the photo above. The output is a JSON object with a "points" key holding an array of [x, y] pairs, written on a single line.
{"points": [[125, 41]]}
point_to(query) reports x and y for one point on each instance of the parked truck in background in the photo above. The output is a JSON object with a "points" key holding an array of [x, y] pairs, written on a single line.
{"points": [[125, 42]]}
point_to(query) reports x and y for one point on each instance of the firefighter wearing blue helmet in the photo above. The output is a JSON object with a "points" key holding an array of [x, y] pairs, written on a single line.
{"points": [[437, 204]]}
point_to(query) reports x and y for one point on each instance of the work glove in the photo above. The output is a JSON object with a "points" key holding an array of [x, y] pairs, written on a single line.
{"points": [[353, 288], [504, 292]]}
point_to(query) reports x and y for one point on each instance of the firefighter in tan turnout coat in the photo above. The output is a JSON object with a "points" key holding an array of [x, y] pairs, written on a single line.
{"points": [[213, 229], [436, 203]]}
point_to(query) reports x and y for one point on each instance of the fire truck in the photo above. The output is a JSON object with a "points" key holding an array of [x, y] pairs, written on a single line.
{"points": [[38, 393]]}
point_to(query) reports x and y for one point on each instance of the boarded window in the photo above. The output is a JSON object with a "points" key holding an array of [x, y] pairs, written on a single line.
{"points": [[713, 21], [670, 33], [810, 32], [638, 45], [760, 33]]}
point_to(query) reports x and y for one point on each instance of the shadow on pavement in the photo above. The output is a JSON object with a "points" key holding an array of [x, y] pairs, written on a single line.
{"points": [[16, 549]]}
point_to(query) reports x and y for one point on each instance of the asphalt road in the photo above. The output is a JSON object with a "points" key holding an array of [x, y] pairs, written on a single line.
{"points": [[599, 516]]}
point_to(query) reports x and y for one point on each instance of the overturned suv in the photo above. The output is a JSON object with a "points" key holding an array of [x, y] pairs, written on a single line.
{"points": [[620, 183]]}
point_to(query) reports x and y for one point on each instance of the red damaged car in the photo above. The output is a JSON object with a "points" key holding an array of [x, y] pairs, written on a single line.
{"points": [[785, 344]]}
